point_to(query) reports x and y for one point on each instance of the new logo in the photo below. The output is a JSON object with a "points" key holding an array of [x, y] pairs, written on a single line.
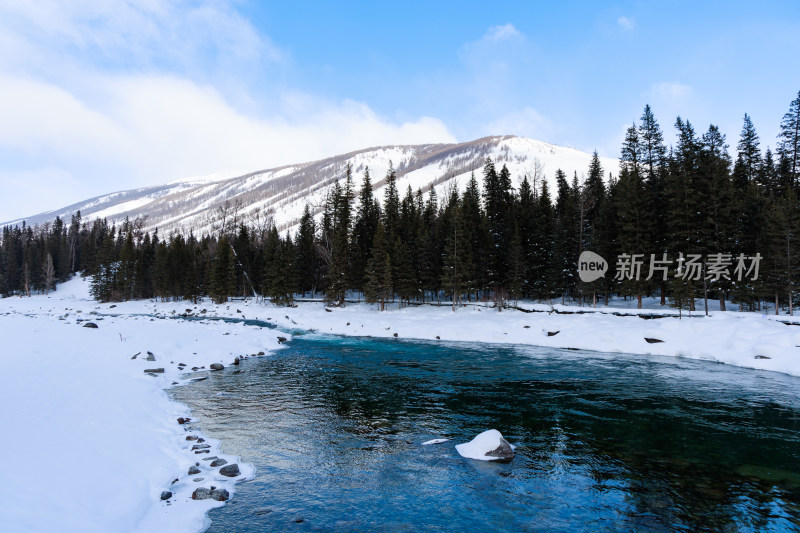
{"points": [[591, 267]]}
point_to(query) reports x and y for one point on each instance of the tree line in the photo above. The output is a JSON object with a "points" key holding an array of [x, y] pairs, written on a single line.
{"points": [[490, 242]]}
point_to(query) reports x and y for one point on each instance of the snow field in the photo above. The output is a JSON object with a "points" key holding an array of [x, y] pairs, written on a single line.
{"points": [[91, 440]]}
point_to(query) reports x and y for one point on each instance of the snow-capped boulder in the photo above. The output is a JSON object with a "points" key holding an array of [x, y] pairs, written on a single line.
{"points": [[488, 446], [230, 470]]}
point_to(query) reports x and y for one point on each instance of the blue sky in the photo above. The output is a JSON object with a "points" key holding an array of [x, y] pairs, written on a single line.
{"points": [[104, 96]]}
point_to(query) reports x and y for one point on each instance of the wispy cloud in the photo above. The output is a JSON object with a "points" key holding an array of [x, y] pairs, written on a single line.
{"points": [[114, 97], [626, 23], [526, 122], [502, 33], [671, 91]]}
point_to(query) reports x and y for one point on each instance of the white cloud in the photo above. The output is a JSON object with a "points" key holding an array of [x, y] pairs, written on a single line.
{"points": [[502, 33], [672, 91], [626, 23], [526, 122], [109, 96]]}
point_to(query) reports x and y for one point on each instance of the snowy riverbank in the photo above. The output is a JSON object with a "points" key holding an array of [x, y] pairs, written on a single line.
{"points": [[92, 440]]}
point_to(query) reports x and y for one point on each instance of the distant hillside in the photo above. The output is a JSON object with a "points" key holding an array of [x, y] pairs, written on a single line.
{"points": [[201, 205]]}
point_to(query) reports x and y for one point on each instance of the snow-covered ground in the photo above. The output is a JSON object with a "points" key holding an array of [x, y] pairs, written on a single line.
{"points": [[92, 440]]}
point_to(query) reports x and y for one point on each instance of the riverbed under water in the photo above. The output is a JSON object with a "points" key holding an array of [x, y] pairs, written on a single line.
{"points": [[610, 442]]}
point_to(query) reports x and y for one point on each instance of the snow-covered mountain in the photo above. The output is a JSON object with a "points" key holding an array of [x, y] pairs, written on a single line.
{"points": [[202, 204]]}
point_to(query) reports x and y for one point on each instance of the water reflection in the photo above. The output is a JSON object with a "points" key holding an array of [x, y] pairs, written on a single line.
{"points": [[604, 442]]}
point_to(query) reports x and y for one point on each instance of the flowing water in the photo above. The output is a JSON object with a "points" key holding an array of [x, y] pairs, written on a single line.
{"points": [[604, 442]]}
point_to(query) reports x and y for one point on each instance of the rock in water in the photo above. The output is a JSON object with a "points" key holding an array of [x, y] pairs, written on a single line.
{"points": [[218, 462], [488, 446], [230, 470], [220, 495], [216, 366], [91, 325], [202, 493]]}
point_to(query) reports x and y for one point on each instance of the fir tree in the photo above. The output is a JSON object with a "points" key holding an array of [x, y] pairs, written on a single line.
{"points": [[789, 145]]}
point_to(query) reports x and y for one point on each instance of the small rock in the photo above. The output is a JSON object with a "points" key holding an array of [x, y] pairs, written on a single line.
{"points": [[198, 479], [395, 334], [238, 311], [112, 306], [438, 337], [201, 494], [193, 470], [201, 439], [216, 366], [220, 495], [154, 371], [763, 357], [91, 325], [553, 333], [191, 437], [328, 310], [210, 458], [651, 340], [348, 323], [260, 353], [166, 495], [195, 368], [281, 340], [182, 420], [230, 470], [526, 327], [188, 310], [201, 447], [218, 462], [135, 355], [201, 451], [236, 361]]}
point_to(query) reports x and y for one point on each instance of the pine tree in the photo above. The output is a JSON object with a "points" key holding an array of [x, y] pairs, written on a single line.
{"points": [[789, 137], [364, 229], [749, 158], [378, 287], [565, 238], [339, 277], [305, 254], [391, 205], [634, 203], [543, 281], [717, 217], [498, 206], [223, 274]]}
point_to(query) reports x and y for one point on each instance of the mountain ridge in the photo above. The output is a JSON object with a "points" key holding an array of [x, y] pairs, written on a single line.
{"points": [[279, 194]]}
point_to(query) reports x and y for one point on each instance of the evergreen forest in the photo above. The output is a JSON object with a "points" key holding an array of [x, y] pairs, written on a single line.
{"points": [[485, 241]]}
